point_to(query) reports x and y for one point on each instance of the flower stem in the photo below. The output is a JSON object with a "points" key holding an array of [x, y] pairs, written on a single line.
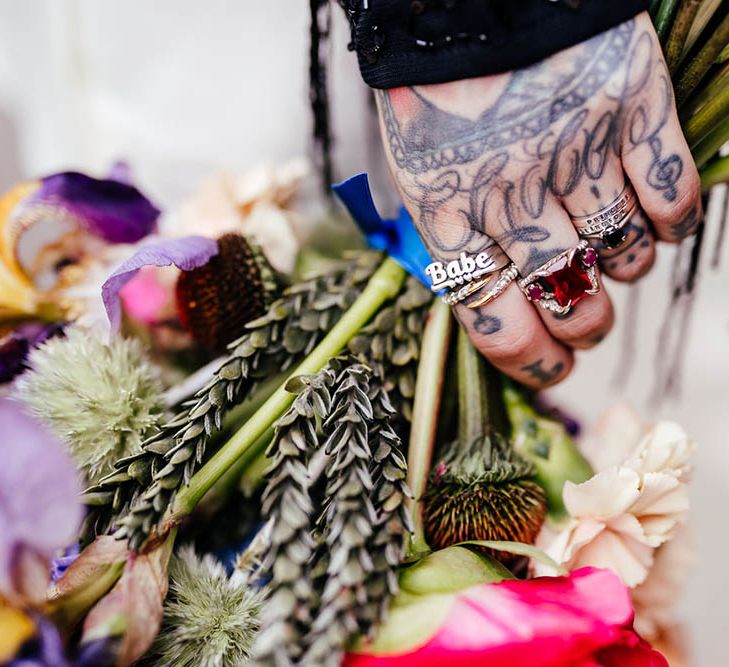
{"points": [[428, 389], [472, 407], [709, 146], [707, 118], [679, 32], [695, 70], [715, 172], [664, 18], [547, 444], [383, 285]]}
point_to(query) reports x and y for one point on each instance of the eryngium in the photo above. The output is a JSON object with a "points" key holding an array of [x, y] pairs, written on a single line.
{"points": [[101, 400], [210, 620]]}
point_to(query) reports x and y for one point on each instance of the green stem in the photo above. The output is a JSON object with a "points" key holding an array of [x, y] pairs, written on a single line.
{"points": [[472, 407], [548, 445], [706, 12], [709, 146], [664, 18], [247, 472], [695, 70], [707, 118], [715, 84], [715, 172], [428, 389], [383, 285], [679, 32]]}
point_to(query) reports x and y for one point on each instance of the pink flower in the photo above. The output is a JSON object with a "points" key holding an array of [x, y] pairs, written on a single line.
{"points": [[583, 620]]}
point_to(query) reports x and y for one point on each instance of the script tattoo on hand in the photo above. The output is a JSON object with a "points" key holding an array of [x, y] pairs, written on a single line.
{"points": [[550, 127]]}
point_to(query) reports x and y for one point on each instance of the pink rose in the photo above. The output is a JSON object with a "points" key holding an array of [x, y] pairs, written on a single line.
{"points": [[582, 620]]}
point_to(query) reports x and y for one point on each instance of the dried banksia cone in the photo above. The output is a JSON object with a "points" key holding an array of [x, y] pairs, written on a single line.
{"points": [[215, 301], [481, 489]]}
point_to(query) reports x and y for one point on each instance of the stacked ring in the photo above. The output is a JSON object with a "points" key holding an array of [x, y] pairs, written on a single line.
{"points": [[607, 223], [499, 284], [564, 280]]}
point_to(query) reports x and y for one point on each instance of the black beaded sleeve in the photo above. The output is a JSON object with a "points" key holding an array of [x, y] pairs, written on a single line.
{"points": [[416, 42]]}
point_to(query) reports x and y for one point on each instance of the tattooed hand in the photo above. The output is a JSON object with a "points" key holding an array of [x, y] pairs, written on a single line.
{"points": [[507, 158]]}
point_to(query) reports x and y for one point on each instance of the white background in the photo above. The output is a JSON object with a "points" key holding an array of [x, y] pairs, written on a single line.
{"points": [[181, 88]]}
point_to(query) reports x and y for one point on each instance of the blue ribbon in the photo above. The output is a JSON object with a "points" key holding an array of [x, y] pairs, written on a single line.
{"points": [[397, 236]]}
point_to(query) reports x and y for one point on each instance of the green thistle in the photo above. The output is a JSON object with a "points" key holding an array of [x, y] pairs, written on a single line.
{"points": [[101, 400], [210, 620], [137, 494], [481, 489]]}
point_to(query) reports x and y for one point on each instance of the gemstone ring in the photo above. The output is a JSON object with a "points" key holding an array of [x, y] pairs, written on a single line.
{"points": [[607, 223], [564, 280]]}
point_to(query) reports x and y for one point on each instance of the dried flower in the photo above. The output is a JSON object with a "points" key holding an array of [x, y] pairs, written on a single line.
{"points": [[481, 489], [216, 301], [39, 508], [290, 329], [187, 252], [210, 620], [256, 203], [58, 220], [99, 399]]}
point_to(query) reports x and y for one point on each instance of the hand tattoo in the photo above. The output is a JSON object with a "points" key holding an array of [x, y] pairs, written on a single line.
{"points": [[542, 375], [540, 137]]}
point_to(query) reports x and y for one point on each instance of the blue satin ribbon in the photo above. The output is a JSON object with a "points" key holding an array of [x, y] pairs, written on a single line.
{"points": [[397, 236]]}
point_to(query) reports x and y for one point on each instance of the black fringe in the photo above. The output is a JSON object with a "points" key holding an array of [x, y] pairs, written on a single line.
{"points": [[318, 89]]}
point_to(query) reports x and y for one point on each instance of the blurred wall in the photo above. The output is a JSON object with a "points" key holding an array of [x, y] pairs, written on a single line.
{"points": [[184, 87]]}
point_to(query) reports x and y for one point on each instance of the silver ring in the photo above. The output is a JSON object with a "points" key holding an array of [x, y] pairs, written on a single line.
{"points": [[607, 223]]}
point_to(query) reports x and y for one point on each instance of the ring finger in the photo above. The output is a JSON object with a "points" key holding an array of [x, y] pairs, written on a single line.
{"points": [[633, 256], [588, 321]]}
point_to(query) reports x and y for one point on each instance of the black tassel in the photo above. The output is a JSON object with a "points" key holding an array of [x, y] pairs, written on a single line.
{"points": [[318, 90]]}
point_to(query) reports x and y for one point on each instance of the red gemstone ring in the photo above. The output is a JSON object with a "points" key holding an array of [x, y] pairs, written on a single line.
{"points": [[564, 280]]}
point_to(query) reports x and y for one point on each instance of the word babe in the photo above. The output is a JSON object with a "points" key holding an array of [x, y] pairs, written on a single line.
{"points": [[459, 271]]}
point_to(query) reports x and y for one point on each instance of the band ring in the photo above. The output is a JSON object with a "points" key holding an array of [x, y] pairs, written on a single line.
{"points": [[505, 277], [607, 223], [564, 280]]}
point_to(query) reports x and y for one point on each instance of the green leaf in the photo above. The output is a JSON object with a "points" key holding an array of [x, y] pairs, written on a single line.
{"points": [[520, 549]]}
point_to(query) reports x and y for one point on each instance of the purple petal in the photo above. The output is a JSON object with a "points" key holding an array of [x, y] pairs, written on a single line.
{"points": [[40, 511], [61, 563], [14, 347], [44, 650], [185, 253], [109, 209], [120, 172]]}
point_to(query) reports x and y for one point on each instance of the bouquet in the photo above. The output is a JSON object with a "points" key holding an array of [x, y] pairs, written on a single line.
{"points": [[215, 456]]}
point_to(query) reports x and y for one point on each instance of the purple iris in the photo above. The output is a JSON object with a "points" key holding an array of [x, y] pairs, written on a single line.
{"points": [[109, 209], [186, 253], [15, 347], [40, 511], [45, 649]]}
